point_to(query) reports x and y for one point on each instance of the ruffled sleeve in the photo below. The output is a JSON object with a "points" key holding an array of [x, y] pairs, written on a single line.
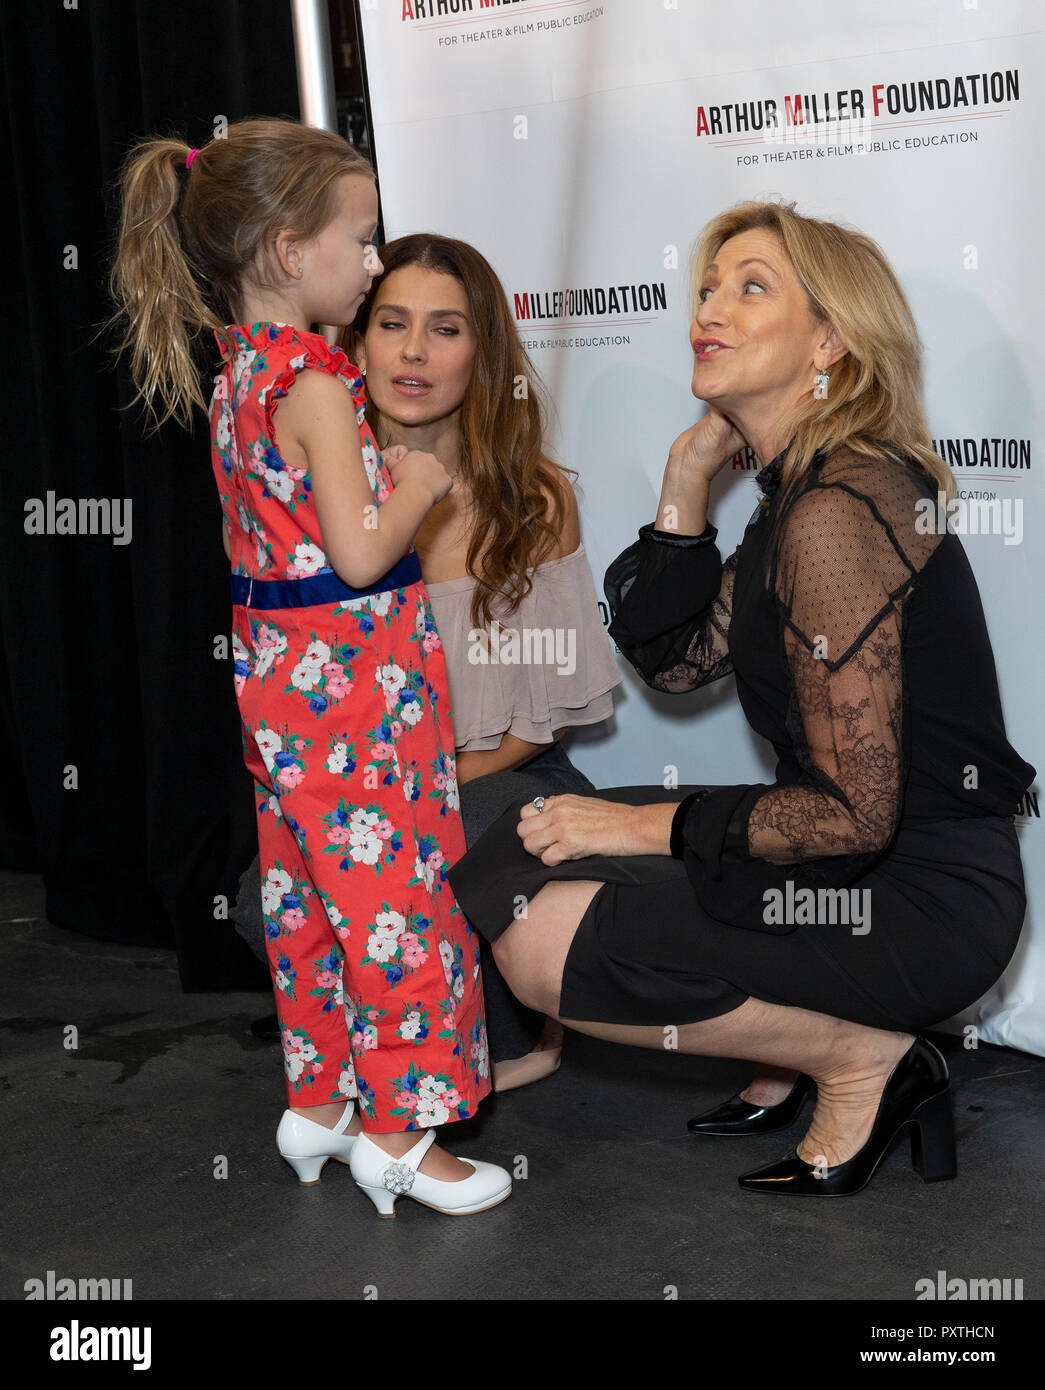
{"points": [[544, 667], [308, 350], [263, 360], [670, 596]]}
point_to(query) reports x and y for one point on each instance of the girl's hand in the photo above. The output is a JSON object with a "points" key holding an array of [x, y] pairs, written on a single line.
{"points": [[412, 464], [573, 827], [706, 447]]}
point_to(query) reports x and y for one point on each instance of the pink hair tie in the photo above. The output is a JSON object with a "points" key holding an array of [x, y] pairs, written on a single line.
{"points": [[192, 155]]}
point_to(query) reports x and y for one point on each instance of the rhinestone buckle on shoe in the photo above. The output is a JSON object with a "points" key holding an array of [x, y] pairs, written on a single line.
{"points": [[398, 1178]]}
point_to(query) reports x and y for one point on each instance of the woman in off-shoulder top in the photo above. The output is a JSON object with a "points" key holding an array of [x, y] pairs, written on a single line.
{"points": [[815, 924], [513, 597]]}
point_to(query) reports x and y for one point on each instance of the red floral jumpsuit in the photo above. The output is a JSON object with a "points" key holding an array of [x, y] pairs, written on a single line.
{"points": [[347, 733]]}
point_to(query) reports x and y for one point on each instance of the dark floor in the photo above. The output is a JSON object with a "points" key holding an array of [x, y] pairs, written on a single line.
{"points": [[111, 1153]]}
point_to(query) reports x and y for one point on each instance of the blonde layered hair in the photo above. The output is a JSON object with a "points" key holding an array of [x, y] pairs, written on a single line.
{"points": [[874, 404], [191, 239]]}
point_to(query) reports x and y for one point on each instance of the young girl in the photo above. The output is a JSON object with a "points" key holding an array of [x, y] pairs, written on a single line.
{"points": [[339, 672]]}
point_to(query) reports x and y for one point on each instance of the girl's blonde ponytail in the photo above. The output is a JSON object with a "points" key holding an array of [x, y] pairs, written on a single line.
{"points": [[155, 287]]}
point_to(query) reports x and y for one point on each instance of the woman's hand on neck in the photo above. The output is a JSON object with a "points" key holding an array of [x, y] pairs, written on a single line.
{"points": [[759, 421]]}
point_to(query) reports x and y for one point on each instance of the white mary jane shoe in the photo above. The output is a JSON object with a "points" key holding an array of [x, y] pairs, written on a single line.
{"points": [[307, 1145], [384, 1178]]}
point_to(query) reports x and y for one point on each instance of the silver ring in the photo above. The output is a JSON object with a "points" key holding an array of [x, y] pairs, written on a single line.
{"points": [[538, 803]]}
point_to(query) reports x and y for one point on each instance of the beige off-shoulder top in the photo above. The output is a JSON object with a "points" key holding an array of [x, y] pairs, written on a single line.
{"points": [[546, 666]]}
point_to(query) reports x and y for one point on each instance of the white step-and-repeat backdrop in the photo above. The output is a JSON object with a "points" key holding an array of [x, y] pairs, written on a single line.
{"points": [[582, 145]]}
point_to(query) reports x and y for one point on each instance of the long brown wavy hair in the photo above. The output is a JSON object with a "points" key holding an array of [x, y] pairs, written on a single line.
{"points": [[189, 237], [874, 403], [501, 429]]}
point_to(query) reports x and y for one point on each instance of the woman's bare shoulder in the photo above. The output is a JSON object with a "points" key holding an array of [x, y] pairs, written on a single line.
{"points": [[570, 529]]}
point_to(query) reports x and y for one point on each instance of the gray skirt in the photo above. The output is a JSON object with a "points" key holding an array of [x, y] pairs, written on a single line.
{"points": [[511, 1028]]}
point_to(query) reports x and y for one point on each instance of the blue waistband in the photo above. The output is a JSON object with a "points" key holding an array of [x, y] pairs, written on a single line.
{"points": [[319, 588]]}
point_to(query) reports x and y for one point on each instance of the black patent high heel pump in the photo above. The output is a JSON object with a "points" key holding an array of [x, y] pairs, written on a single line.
{"points": [[916, 1094], [737, 1116]]}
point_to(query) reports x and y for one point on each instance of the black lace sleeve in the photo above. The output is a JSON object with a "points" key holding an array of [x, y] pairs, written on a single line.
{"points": [[670, 597], [840, 579], [841, 583]]}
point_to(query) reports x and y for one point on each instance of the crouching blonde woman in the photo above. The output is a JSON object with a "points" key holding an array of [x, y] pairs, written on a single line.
{"points": [[860, 651]]}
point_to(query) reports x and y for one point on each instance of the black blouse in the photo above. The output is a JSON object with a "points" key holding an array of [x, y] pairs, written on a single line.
{"points": [[858, 642]]}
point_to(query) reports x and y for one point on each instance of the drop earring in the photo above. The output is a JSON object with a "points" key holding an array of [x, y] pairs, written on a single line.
{"points": [[820, 389]]}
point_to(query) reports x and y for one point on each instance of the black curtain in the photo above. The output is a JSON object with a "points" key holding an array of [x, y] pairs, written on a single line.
{"points": [[124, 784]]}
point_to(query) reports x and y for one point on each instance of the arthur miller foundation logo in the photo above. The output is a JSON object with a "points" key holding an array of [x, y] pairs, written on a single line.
{"points": [[590, 301], [852, 106]]}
